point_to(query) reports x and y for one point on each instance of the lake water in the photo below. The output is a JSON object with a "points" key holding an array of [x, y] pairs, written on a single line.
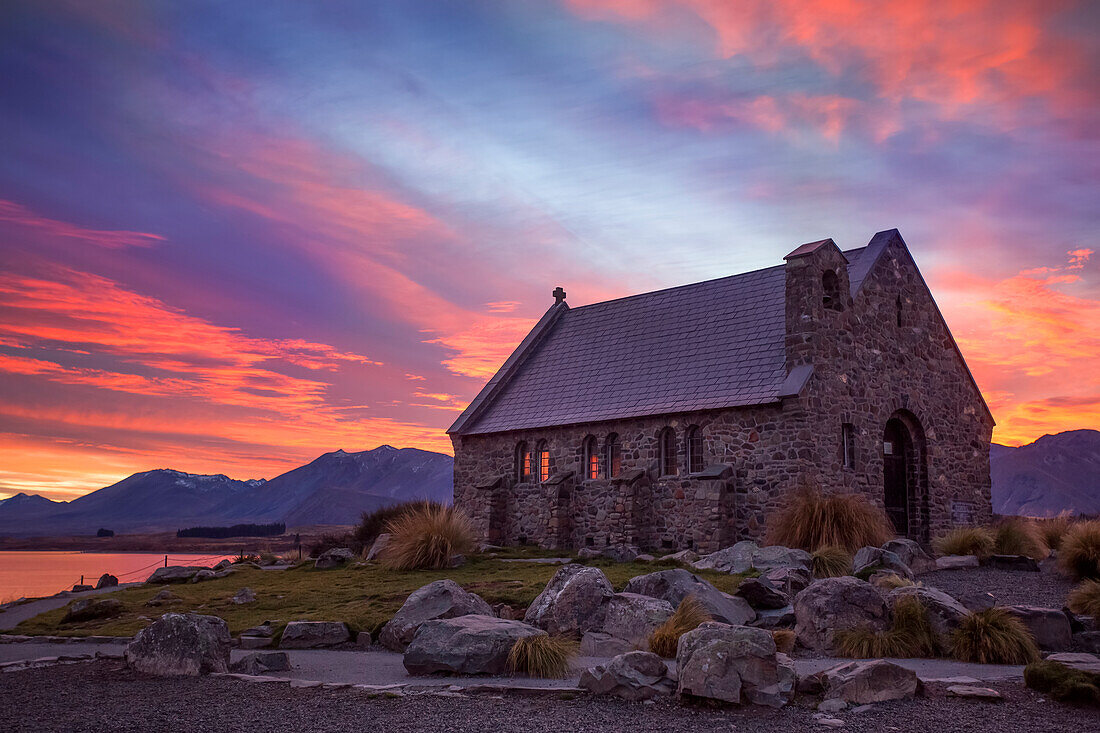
{"points": [[34, 574]]}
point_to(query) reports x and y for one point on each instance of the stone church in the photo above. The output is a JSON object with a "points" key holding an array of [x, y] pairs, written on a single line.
{"points": [[683, 417]]}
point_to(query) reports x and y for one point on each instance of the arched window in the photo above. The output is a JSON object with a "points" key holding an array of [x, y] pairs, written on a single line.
{"points": [[523, 463], [668, 452], [830, 286], [612, 456], [694, 445], [591, 458], [543, 457]]}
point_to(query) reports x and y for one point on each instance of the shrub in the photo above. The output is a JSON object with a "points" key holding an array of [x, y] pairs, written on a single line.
{"points": [[910, 635], [1017, 536], [812, 520], [784, 640], [542, 656], [831, 562], [1063, 683], [1085, 599], [1053, 529], [427, 537], [688, 615], [372, 524], [1079, 553], [326, 542], [993, 636], [243, 557], [965, 541]]}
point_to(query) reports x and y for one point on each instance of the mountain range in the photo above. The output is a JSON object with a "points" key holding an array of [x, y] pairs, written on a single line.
{"points": [[333, 489], [1056, 473]]}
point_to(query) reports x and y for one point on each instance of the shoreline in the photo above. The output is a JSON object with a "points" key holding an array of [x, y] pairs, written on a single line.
{"points": [[168, 543]]}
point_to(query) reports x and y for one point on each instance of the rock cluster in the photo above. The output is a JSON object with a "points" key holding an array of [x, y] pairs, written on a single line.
{"points": [[735, 664], [181, 644], [472, 644], [632, 676], [334, 558], [314, 634], [438, 600]]}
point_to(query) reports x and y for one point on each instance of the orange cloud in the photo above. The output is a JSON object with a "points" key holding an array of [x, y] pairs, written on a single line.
{"points": [[19, 216]]}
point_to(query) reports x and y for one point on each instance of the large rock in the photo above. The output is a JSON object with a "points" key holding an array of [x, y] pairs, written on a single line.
{"points": [[202, 575], [314, 634], [633, 617], [774, 557], [106, 581], [381, 542], [957, 562], [1013, 562], [262, 663], [334, 558], [761, 594], [872, 559], [599, 644], [89, 609], [1080, 661], [777, 618], [465, 645], [632, 676], [675, 585], [791, 581], [683, 556], [174, 574], [912, 554], [747, 555], [440, 599], [736, 664], [621, 553], [1049, 626], [181, 644], [866, 681], [831, 604], [944, 611], [574, 601], [243, 596]]}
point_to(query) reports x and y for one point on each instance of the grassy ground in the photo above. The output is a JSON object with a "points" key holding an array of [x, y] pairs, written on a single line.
{"points": [[365, 597]]}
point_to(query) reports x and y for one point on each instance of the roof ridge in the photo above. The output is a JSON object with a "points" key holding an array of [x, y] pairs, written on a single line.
{"points": [[676, 287]]}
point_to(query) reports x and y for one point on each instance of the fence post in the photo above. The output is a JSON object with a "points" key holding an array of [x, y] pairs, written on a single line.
{"points": [[165, 561]]}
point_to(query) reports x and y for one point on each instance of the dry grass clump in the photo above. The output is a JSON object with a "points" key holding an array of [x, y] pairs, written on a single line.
{"points": [[1053, 529], [812, 520], [966, 541], [831, 562], [1079, 553], [1018, 536], [910, 635], [542, 656], [993, 636], [893, 581], [1085, 599], [784, 640], [427, 538], [688, 615]]}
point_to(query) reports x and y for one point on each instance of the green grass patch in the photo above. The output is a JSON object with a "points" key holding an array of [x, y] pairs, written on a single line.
{"points": [[1063, 683]]}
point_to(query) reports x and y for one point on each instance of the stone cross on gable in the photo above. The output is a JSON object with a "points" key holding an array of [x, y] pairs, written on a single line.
{"points": [[559, 294]]}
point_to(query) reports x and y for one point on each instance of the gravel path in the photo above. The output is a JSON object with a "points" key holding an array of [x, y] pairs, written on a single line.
{"points": [[103, 696], [1010, 587]]}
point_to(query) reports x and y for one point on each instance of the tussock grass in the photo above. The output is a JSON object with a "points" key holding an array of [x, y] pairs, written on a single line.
{"points": [[544, 656], [1053, 529], [688, 615], [893, 581], [1063, 683], [1018, 536], [1079, 553], [966, 541], [812, 520], [831, 562], [1085, 599], [910, 635], [784, 640], [427, 538], [993, 636]]}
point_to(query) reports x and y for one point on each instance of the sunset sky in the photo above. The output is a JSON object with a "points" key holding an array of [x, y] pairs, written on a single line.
{"points": [[236, 235]]}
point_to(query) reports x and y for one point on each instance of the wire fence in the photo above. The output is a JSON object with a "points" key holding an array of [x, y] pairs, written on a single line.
{"points": [[129, 576]]}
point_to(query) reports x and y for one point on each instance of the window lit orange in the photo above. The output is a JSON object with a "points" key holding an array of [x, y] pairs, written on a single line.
{"points": [[591, 458]]}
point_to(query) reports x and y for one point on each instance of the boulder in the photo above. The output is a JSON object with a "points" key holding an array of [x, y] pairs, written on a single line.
{"points": [[871, 559], [621, 553], [944, 611], [736, 664], [778, 618], [106, 581], [1087, 640], [674, 585], [262, 663], [1049, 626], [203, 574], [831, 604], [1081, 662], [181, 644], [266, 629], [173, 574], [747, 555], [978, 600], [89, 609], [381, 542], [774, 557], [314, 634], [761, 594], [974, 693], [465, 645], [244, 595], [957, 562], [791, 581], [334, 558], [223, 565], [162, 597], [912, 554], [683, 556], [81, 588], [588, 553], [867, 681], [646, 558], [599, 644], [633, 617], [573, 601], [1014, 562], [631, 676], [440, 599]]}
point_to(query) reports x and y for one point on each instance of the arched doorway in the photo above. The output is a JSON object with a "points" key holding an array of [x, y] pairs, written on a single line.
{"points": [[904, 477]]}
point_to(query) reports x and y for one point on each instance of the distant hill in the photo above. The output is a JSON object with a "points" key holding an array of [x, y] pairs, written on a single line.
{"points": [[1055, 473], [333, 489]]}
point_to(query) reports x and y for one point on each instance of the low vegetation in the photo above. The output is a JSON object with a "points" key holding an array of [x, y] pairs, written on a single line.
{"points": [[1079, 553], [1053, 529], [1063, 683], [1085, 600], [966, 541], [372, 524], [784, 640], [688, 615], [813, 520], [910, 635], [543, 656], [427, 537], [893, 581], [831, 562], [1018, 536], [993, 636]]}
